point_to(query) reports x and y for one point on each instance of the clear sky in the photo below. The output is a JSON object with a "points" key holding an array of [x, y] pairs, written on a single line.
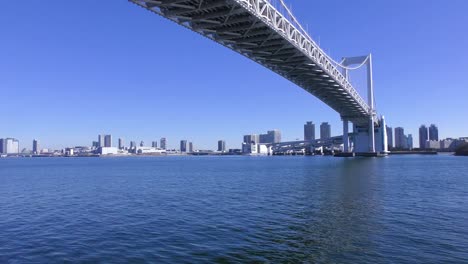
{"points": [[70, 70]]}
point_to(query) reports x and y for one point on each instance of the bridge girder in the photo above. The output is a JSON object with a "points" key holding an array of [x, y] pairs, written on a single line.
{"points": [[255, 29]]}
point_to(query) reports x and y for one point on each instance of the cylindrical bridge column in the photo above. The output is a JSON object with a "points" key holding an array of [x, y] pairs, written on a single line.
{"points": [[345, 136], [371, 134]]}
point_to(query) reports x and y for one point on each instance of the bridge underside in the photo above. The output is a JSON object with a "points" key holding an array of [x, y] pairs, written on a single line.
{"points": [[256, 30]]}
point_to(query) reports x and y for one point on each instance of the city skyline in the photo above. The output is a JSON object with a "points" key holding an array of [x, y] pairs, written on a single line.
{"points": [[97, 75], [397, 140]]}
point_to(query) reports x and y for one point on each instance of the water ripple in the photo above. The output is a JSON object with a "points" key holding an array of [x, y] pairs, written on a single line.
{"points": [[234, 210]]}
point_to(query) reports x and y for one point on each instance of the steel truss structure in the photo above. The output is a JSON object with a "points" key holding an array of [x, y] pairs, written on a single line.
{"points": [[259, 31], [329, 142]]}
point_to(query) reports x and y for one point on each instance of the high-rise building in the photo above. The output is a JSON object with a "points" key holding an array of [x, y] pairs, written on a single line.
{"points": [[309, 131], [389, 137], [410, 142], [10, 146], [400, 139], [35, 147], [423, 136], [142, 144], [274, 136], [183, 146], [254, 138], [2, 146], [221, 145], [121, 143], [95, 144], [163, 143], [108, 141], [190, 147], [132, 145], [325, 130], [101, 140], [154, 144], [433, 132], [264, 138]]}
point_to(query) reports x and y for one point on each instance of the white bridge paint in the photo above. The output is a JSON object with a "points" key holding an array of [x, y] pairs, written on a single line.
{"points": [[361, 138], [259, 31]]}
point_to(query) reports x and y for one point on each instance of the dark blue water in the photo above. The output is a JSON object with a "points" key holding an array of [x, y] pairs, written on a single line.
{"points": [[400, 209]]}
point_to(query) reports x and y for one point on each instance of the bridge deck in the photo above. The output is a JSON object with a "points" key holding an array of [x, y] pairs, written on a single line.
{"points": [[337, 140], [257, 30]]}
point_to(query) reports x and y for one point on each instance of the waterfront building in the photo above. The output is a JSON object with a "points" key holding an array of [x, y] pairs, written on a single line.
{"points": [[183, 146], [325, 130], [163, 143], [35, 147], [154, 144], [69, 151], [254, 138], [132, 144], [83, 150], [108, 151], [446, 144], [264, 138], [423, 136], [409, 140], [309, 131], [255, 149], [101, 140], [11, 146], [400, 140], [95, 144], [142, 143], [150, 151], [274, 136], [108, 141], [389, 137], [121, 143], [190, 147], [433, 132], [221, 145], [432, 144]]}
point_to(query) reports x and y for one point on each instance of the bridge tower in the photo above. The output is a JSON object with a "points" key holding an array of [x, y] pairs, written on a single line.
{"points": [[370, 140]]}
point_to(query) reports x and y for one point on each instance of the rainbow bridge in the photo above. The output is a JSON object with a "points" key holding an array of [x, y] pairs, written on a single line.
{"points": [[266, 32]]}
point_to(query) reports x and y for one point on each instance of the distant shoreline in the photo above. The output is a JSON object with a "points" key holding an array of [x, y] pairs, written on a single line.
{"points": [[425, 153]]}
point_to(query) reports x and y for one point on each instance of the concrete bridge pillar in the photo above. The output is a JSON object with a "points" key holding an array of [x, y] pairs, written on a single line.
{"points": [[345, 135], [371, 135]]}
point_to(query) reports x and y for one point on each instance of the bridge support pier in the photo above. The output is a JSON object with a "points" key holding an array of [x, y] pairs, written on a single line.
{"points": [[371, 140], [371, 135], [345, 135]]}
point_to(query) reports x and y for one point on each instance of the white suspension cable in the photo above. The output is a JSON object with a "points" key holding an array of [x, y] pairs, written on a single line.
{"points": [[354, 68]]}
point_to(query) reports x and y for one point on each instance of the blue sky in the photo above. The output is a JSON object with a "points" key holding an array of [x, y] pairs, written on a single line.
{"points": [[70, 70]]}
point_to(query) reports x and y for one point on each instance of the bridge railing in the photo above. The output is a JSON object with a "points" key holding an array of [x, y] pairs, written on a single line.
{"points": [[285, 24]]}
